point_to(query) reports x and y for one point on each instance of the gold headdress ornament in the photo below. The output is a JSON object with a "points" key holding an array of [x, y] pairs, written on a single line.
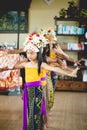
{"points": [[49, 34], [34, 42]]}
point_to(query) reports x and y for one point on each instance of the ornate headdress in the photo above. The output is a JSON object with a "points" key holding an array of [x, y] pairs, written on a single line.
{"points": [[34, 42], [49, 34]]}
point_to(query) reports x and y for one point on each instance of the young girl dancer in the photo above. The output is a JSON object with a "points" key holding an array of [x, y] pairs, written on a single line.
{"points": [[55, 52], [32, 96], [33, 86], [53, 55]]}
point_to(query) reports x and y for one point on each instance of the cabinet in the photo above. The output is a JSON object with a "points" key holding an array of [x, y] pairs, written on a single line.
{"points": [[71, 36]]}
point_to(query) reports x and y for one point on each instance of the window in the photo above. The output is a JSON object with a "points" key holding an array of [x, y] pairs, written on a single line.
{"points": [[14, 21]]}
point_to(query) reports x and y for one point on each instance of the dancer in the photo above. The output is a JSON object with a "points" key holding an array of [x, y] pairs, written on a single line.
{"points": [[53, 56], [33, 80], [33, 87], [55, 52]]}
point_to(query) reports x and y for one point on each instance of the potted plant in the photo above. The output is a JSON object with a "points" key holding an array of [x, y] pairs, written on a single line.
{"points": [[62, 13], [72, 11]]}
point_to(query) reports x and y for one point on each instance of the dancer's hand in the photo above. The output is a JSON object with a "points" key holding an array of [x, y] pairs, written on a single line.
{"points": [[78, 61], [74, 72]]}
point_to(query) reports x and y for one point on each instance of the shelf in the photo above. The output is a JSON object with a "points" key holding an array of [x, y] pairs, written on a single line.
{"points": [[71, 81], [81, 19], [65, 19], [71, 85], [74, 50], [70, 34], [64, 82]]}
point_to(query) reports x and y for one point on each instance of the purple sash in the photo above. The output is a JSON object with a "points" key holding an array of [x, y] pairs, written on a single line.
{"points": [[43, 78], [25, 99], [43, 106]]}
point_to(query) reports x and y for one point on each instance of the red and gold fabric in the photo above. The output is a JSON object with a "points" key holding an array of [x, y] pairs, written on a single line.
{"points": [[11, 78]]}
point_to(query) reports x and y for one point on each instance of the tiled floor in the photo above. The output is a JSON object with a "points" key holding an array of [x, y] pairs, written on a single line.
{"points": [[69, 112]]}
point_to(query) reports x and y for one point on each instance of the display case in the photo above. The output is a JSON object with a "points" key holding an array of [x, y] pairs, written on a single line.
{"points": [[71, 37]]}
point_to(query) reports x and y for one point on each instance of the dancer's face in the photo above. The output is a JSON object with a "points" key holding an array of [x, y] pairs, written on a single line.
{"points": [[31, 55], [51, 39]]}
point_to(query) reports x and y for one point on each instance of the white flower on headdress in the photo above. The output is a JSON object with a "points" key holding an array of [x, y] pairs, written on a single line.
{"points": [[49, 32], [43, 40], [34, 41]]}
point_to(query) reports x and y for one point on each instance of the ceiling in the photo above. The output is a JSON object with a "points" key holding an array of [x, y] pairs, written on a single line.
{"points": [[14, 4]]}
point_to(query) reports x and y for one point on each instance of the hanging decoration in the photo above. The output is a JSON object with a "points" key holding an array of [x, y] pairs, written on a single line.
{"points": [[48, 1]]}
